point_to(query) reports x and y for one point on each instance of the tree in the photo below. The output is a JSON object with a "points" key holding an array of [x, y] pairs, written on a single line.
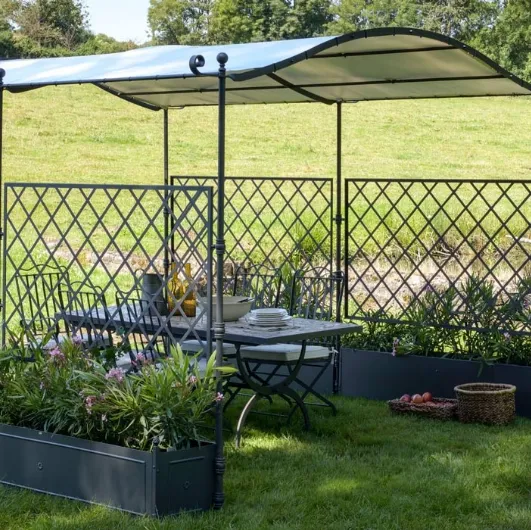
{"points": [[460, 19], [353, 15], [509, 41], [180, 21], [308, 18], [52, 23]]}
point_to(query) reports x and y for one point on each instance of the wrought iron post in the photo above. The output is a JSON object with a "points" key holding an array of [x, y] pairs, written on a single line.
{"points": [[2, 75], [338, 272], [219, 326], [166, 206]]}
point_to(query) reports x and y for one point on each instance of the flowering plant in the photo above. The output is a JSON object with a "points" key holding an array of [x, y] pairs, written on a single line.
{"points": [[66, 391]]}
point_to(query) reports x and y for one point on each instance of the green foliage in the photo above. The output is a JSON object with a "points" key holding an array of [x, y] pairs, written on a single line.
{"points": [[469, 323], [67, 391]]}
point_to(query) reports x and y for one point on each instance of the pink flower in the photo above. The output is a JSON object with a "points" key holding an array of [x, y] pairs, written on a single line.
{"points": [[219, 397], [396, 342], [115, 373], [192, 380], [56, 355], [77, 340], [89, 402], [142, 358]]}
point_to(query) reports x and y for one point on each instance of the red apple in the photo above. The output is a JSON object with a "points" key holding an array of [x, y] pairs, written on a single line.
{"points": [[406, 398], [427, 397], [417, 398]]}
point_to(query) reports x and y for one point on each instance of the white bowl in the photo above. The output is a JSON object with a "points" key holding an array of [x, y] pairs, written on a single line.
{"points": [[233, 308]]}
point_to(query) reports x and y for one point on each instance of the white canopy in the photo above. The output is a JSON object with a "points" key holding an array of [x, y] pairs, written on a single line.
{"points": [[390, 63]]}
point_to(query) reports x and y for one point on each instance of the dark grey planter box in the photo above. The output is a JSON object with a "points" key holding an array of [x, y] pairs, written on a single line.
{"points": [[379, 375], [141, 482]]}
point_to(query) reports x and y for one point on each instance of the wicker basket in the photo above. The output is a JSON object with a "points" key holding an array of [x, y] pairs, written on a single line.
{"points": [[439, 408], [488, 403]]}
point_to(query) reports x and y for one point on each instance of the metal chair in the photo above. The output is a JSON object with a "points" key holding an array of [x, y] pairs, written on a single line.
{"points": [[79, 305], [36, 289], [315, 297], [264, 286], [140, 326]]}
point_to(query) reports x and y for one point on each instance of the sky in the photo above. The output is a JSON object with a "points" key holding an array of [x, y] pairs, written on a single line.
{"points": [[121, 19]]}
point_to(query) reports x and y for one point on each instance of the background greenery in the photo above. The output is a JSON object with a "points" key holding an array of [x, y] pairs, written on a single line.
{"points": [[42, 28]]}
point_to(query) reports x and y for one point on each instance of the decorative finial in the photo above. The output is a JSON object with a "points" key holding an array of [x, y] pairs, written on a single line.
{"points": [[196, 61], [222, 58]]}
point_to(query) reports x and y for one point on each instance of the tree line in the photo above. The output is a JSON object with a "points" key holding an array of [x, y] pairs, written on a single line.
{"points": [[499, 28], [50, 28], [42, 28]]}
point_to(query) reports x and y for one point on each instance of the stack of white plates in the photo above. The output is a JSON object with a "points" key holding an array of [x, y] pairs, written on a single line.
{"points": [[269, 317]]}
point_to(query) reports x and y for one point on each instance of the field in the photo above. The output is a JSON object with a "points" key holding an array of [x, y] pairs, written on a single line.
{"points": [[82, 134]]}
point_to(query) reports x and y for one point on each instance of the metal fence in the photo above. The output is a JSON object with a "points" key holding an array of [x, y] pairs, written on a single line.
{"points": [[275, 221], [461, 248], [101, 245]]}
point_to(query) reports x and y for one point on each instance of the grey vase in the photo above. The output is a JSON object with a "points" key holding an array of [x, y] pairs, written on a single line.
{"points": [[152, 290]]}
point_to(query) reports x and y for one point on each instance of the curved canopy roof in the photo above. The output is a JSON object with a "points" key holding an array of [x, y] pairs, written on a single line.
{"points": [[379, 64]]}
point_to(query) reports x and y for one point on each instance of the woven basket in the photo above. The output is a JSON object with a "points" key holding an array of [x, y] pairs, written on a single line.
{"points": [[439, 409], [488, 403]]}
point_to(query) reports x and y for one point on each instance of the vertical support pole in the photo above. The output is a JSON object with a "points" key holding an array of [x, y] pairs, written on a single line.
{"points": [[338, 272], [2, 307], [219, 326], [166, 207]]}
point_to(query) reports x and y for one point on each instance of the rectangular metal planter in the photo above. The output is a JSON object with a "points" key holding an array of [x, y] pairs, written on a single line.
{"points": [[140, 482], [379, 375]]}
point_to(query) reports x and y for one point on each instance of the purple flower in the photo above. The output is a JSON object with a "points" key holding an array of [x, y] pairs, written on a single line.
{"points": [[507, 336], [115, 373], [396, 342], [77, 340], [56, 355], [428, 289], [219, 397]]}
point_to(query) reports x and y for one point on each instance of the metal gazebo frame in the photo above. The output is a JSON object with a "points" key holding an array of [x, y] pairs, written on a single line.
{"points": [[361, 69]]}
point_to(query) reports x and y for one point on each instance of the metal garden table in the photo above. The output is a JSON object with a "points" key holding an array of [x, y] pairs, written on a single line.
{"points": [[239, 333]]}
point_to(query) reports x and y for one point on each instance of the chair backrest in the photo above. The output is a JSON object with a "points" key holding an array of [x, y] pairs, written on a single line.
{"points": [[36, 289], [85, 301], [263, 285], [317, 295], [139, 323]]}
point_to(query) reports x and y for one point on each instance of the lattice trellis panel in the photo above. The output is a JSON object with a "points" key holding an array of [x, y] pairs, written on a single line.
{"points": [[275, 221], [406, 238], [103, 240]]}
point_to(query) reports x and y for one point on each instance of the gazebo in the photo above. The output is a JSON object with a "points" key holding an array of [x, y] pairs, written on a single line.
{"points": [[378, 64]]}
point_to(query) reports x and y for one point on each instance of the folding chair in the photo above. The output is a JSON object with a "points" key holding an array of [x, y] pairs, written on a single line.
{"points": [[139, 325], [36, 289], [79, 303], [313, 296]]}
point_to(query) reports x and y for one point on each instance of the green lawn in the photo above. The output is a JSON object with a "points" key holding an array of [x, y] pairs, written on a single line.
{"points": [[82, 134], [364, 469]]}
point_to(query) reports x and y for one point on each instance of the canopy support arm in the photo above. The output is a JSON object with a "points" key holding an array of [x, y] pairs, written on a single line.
{"points": [[127, 98], [299, 90]]}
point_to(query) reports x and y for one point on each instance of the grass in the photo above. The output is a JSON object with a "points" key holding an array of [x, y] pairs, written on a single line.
{"points": [[363, 469], [82, 134]]}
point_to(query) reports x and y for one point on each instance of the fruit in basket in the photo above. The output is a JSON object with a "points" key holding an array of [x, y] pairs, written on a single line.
{"points": [[417, 398], [406, 398], [427, 397]]}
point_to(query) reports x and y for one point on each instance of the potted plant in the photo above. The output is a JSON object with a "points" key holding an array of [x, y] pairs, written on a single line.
{"points": [[76, 428]]}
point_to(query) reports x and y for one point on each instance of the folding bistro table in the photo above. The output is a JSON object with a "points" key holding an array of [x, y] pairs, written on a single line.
{"points": [[239, 333]]}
